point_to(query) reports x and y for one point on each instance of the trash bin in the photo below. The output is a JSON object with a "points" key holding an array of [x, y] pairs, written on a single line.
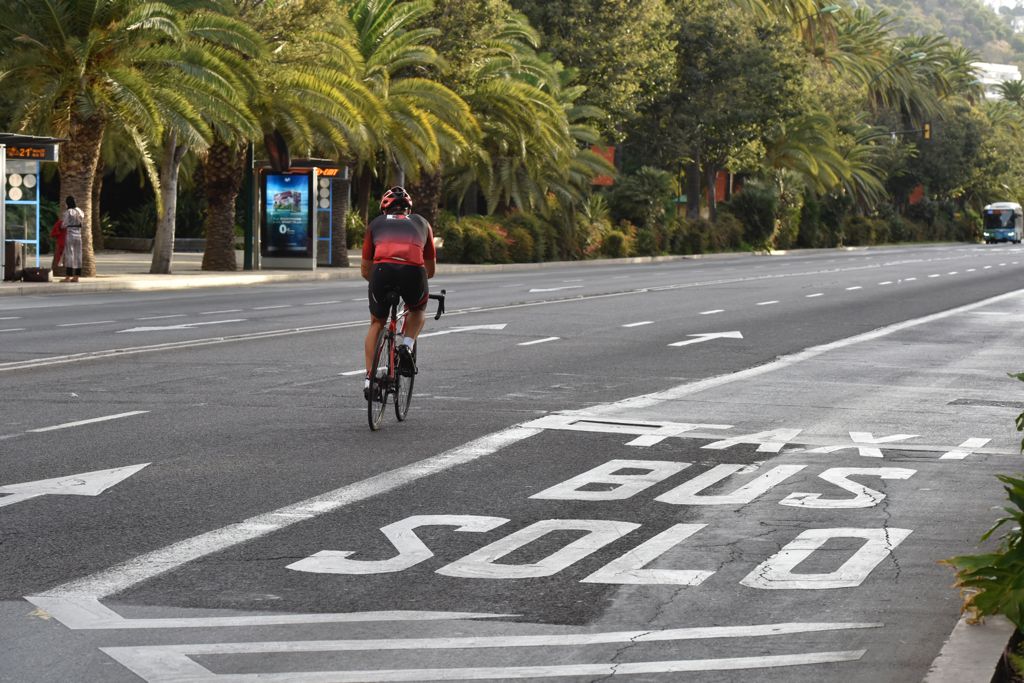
{"points": [[14, 260]]}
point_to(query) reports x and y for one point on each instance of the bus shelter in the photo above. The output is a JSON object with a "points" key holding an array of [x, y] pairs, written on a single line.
{"points": [[21, 157]]}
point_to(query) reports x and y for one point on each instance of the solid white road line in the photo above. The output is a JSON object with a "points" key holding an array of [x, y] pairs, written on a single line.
{"points": [[13, 329], [158, 665], [713, 311], [351, 373], [79, 423], [539, 341], [267, 308], [86, 613], [95, 322], [162, 317], [12, 317], [639, 324]]}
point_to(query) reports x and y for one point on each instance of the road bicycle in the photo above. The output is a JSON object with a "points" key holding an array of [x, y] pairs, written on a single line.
{"points": [[386, 381]]}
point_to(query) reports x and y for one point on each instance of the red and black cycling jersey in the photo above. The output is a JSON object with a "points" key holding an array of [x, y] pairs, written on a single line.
{"points": [[396, 238]]}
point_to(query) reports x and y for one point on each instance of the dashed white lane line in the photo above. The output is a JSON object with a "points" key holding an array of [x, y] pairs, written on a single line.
{"points": [[713, 311], [953, 272], [228, 310], [162, 317], [987, 267], [13, 329], [12, 317], [934, 275], [767, 303], [362, 298], [887, 282], [267, 308], [94, 322], [642, 322], [909, 279], [850, 289], [1002, 264], [538, 341], [812, 296], [79, 423], [323, 303], [971, 270], [350, 373]]}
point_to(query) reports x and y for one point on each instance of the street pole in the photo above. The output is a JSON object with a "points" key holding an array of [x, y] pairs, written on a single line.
{"points": [[247, 260], [3, 210]]}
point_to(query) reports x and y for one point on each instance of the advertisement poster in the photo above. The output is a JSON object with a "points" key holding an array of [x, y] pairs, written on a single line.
{"points": [[287, 215]]}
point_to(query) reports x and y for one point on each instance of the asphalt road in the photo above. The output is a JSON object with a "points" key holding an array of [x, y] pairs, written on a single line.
{"points": [[736, 468]]}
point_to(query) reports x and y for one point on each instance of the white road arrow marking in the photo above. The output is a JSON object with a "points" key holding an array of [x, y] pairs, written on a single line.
{"points": [[86, 484], [708, 336], [183, 326], [467, 328], [554, 289]]}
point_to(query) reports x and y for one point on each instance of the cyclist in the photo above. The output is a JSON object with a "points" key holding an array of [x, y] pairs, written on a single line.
{"points": [[398, 254]]}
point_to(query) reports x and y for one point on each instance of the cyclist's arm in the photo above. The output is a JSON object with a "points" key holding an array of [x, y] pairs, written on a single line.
{"points": [[430, 265], [365, 266]]}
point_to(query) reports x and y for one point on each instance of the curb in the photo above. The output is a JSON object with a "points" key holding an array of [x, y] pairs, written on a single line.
{"points": [[972, 651]]}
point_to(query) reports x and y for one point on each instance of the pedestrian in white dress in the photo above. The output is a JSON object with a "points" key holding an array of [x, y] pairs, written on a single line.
{"points": [[74, 221]]}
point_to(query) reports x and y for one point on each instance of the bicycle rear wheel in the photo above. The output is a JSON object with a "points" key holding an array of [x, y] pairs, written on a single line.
{"points": [[378, 398], [403, 392]]}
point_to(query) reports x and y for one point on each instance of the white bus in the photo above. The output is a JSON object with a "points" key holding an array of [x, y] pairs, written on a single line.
{"points": [[1003, 222]]}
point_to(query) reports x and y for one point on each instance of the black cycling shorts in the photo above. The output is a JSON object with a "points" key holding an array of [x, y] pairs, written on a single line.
{"points": [[409, 281]]}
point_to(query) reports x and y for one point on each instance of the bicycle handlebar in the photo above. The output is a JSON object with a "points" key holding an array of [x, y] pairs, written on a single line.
{"points": [[440, 303]]}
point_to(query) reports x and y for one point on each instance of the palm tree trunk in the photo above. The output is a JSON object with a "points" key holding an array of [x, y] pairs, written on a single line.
{"points": [[97, 223], [78, 159], [163, 244], [426, 195], [224, 166], [693, 190], [340, 206], [712, 180]]}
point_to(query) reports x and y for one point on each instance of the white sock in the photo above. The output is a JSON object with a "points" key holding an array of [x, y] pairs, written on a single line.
{"points": [[366, 383], [409, 341]]}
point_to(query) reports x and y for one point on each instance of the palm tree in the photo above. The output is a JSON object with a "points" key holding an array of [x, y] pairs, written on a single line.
{"points": [[77, 68], [423, 118], [1011, 91], [209, 83], [306, 88]]}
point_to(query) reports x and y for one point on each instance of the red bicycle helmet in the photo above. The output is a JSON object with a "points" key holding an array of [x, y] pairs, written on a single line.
{"points": [[394, 199]]}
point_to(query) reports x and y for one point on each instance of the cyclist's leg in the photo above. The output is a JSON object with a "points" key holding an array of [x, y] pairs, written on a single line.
{"points": [[381, 279], [376, 325], [414, 293]]}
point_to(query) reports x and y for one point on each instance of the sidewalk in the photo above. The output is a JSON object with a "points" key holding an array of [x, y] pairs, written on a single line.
{"points": [[129, 271]]}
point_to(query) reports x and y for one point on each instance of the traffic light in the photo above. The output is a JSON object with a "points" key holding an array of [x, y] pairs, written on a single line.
{"points": [[926, 132]]}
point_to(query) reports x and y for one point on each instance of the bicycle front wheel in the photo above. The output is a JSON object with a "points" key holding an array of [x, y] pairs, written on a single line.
{"points": [[378, 398], [403, 391]]}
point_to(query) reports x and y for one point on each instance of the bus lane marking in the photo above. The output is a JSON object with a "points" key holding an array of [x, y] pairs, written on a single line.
{"points": [[91, 589]]}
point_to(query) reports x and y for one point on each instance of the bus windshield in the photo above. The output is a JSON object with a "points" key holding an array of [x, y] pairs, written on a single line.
{"points": [[999, 218]]}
